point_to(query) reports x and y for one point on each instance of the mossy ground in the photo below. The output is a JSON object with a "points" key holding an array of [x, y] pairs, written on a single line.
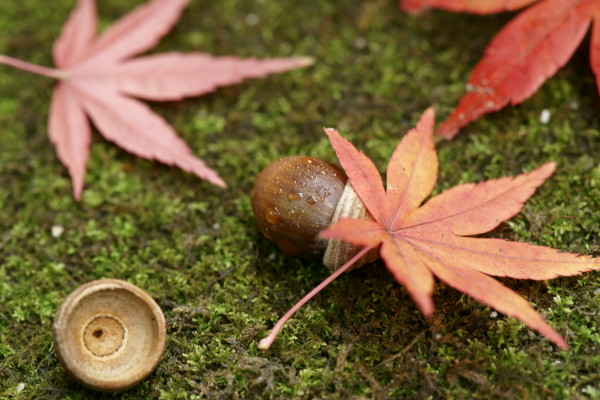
{"points": [[195, 249]]}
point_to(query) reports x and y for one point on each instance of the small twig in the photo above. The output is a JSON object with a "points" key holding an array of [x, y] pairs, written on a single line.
{"points": [[401, 352]]}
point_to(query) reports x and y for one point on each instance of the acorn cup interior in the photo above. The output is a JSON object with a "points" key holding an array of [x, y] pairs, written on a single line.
{"points": [[109, 335]]}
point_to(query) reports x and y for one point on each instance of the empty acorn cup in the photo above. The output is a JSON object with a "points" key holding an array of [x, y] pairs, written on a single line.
{"points": [[109, 334]]}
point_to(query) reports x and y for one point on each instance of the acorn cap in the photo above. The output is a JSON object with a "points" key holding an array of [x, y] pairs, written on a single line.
{"points": [[338, 252], [109, 334]]}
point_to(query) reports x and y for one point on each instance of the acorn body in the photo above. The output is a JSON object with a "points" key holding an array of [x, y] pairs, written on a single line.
{"points": [[295, 198]]}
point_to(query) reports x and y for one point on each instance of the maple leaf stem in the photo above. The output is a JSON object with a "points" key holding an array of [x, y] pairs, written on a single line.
{"points": [[33, 68], [268, 340]]}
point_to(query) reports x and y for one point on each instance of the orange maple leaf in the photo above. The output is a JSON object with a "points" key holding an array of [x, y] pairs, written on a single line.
{"points": [[526, 52], [418, 243], [97, 79]]}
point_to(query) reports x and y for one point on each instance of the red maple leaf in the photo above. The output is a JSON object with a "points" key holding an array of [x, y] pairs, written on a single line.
{"points": [[526, 52], [97, 78], [418, 243]]}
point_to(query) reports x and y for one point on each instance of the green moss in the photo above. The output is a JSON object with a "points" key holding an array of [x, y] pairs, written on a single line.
{"points": [[195, 249]]}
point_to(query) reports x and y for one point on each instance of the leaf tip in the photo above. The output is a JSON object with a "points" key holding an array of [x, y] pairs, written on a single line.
{"points": [[425, 304], [543, 172], [447, 130], [549, 167], [429, 113], [217, 181], [427, 121], [557, 339], [77, 184], [331, 133]]}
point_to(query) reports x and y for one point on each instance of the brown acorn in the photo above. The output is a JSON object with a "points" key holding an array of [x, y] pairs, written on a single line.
{"points": [[295, 198]]}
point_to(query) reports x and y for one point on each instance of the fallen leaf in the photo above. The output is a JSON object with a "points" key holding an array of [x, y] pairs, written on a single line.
{"points": [[472, 6], [418, 243], [526, 52], [97, 79]]}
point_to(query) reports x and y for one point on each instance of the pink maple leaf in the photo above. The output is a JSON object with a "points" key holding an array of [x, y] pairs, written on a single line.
{"points": [[98, 78]]}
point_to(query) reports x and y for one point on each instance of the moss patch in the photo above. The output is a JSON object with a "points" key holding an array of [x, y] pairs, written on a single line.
{"points": [[195, 248]]}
